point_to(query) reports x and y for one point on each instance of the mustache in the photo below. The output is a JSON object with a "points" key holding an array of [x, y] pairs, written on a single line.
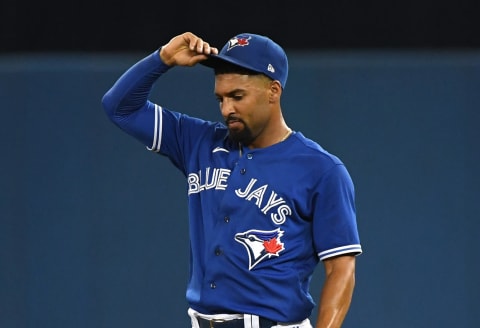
{"points": [[232, 118]]}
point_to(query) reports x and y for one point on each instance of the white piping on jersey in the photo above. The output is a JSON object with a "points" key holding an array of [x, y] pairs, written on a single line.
{"points": [[220, 149], [157, 133], [355, 248]]}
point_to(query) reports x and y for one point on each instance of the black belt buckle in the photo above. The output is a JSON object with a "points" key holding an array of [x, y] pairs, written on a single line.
{"points": [[206, 323]]}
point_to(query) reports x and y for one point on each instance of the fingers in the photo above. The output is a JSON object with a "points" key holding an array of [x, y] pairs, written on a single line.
{"points": [[186, 49], [199, 46]]}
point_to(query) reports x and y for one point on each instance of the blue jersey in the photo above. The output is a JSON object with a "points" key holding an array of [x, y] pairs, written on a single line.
{"points": [[260, 219]]}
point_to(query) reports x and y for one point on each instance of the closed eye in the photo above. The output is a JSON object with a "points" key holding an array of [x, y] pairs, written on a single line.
{"points": [[236, 97]]}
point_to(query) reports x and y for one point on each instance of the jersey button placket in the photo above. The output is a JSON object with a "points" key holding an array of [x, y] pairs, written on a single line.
{"points": [[249, 156]]}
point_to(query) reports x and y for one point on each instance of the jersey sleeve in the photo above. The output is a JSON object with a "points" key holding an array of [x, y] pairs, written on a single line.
{"points": [[176, 135], [334, 224], [166, 132], [126, 102]]}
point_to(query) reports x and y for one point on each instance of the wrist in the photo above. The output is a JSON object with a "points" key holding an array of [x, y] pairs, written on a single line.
{"points": [[164, 58]]}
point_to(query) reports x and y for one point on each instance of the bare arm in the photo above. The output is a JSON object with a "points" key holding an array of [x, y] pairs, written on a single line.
{"points": [[337, 291]]}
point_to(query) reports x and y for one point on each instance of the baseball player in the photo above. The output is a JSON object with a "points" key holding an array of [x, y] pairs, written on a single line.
{"points": [[266, 204]]}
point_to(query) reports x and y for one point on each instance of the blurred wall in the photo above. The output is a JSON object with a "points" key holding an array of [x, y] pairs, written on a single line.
{"points": [[93, 227]]}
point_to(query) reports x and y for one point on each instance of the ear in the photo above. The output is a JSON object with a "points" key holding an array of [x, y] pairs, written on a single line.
{"points": [[275, 91]]}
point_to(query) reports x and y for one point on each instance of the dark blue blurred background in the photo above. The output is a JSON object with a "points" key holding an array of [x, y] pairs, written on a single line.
{"points": [[93, 227], [119, 25]]}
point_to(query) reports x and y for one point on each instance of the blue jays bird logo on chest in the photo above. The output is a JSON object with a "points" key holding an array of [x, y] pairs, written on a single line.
{"points": [[261, 245]]}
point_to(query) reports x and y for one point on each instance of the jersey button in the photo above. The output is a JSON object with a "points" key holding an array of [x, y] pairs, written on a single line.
{"points": [[226, 219], [218, 251], [249, 156], [212, 285], [242, 171]]}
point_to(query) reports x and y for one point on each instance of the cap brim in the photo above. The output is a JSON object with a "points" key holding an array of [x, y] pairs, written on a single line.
{"points": [[214, 61], [211, 61]]}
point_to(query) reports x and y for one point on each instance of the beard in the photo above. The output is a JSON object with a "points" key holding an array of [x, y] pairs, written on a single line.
{"points": [[243, 136]]}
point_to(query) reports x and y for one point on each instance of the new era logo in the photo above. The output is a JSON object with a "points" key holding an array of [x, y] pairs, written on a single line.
{"points": [[270, 68]]}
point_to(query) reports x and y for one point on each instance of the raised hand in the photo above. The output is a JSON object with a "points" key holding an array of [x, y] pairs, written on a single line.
{"points": [[186, 49]]}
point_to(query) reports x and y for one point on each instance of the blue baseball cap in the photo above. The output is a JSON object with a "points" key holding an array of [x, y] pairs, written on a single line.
{"points": [[255, 52]]}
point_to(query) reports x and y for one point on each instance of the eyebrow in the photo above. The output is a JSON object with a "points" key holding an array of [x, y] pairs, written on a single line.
{"points": [[232, 93]]}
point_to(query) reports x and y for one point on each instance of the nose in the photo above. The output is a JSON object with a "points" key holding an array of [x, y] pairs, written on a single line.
{"points": [[226, 107]]}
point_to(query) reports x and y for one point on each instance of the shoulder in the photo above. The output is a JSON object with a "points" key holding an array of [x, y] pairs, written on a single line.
{"points": [[185, 122], [309, 150]]}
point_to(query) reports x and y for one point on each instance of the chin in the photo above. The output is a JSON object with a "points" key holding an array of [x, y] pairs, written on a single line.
{"points": [[243, 136]]}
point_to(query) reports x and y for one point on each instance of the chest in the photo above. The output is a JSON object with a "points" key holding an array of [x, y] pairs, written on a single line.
{"points": [[252, 184]]}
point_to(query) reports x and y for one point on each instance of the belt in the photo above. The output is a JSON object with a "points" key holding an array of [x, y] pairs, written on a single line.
{"points": [[234, 323], [240, 321]]}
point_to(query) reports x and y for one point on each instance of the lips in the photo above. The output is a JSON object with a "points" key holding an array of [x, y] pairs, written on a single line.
{"points": [[233, 122], [234, 125]]}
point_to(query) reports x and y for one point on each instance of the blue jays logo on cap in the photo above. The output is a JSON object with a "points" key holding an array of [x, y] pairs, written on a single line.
{"points": [[236, 41], [261, 245], [255, 52]]}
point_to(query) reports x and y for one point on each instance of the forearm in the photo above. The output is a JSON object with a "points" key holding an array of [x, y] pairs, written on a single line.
{"points": [[130, 92], [335, 298]]}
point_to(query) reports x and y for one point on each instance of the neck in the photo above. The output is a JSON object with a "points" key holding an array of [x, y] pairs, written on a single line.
{"points": [[289, 132]]}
